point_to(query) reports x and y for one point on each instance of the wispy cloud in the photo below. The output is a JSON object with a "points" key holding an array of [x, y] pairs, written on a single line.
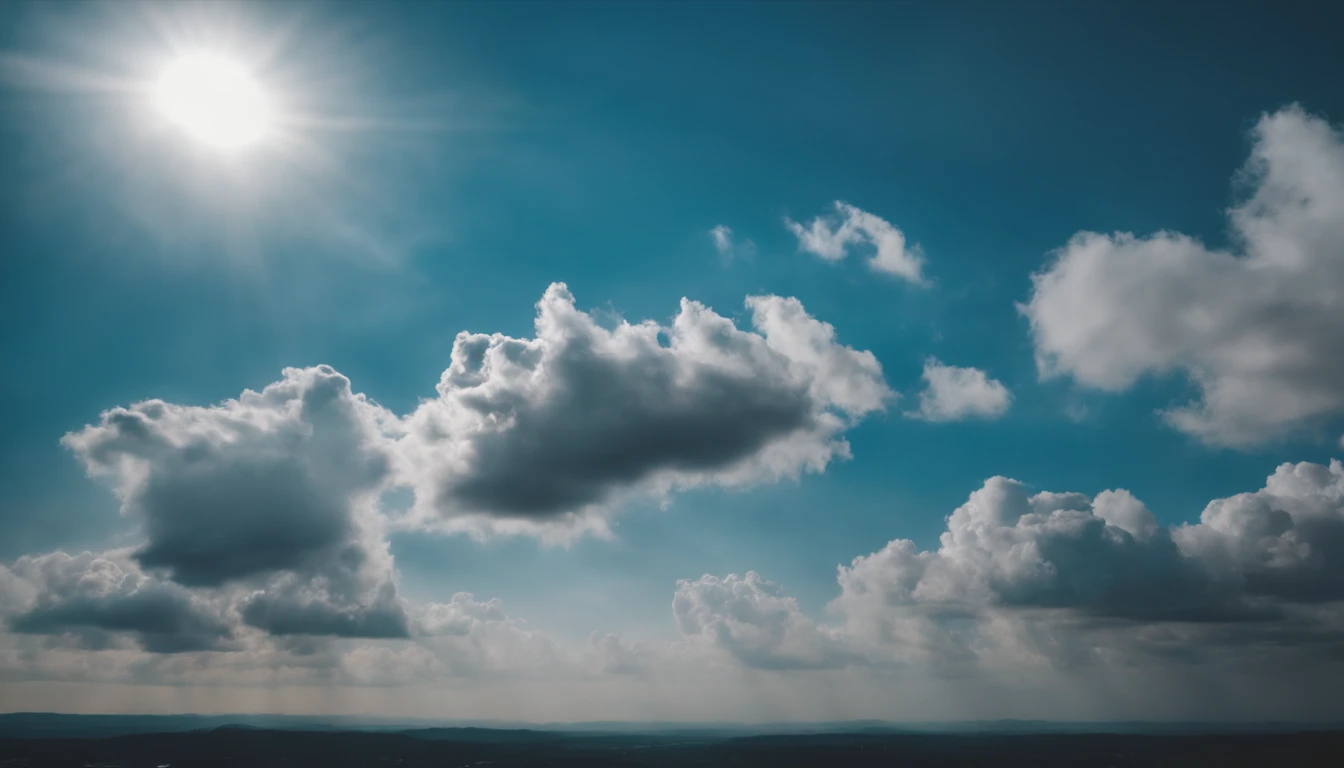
{"points": [[830, 237], [729, 248]]}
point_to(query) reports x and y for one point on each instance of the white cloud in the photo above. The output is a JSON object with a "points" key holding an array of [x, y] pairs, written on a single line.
{"points": [[1063, 580], [755, 622], [1005, 547], [457, 617], [1258, 330], [471, 638], [953, 394], [545, 434], [1098, 576], [830, 238]]}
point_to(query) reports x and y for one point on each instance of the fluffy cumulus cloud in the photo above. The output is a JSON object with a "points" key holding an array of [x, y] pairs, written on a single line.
{"points": [[1064, 579], [1255, 328], [269, 496], [1006, 548], [543, 432], [1284, 543], [952, 394], [754, 621], [831, 237], [1266, 561]]}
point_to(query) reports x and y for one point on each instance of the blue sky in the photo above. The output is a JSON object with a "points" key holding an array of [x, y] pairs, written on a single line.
{"points": [[456, 160]]}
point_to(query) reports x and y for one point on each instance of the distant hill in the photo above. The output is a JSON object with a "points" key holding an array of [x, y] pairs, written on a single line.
{"points": [[48, 724], [242, 745], [52, 725]]}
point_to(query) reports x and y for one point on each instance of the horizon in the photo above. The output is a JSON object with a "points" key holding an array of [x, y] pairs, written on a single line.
{"points": [[409, 724]]}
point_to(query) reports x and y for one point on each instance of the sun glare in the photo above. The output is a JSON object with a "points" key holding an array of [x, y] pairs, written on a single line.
{"points": [[214, 100]]}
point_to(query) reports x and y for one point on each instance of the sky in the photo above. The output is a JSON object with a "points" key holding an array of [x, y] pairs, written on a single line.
{"points": [[686, 361]]}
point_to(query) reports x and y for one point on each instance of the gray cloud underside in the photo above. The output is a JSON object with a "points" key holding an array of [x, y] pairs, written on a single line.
{"points": [[92, 597], [612, 423], [581, 414], [270, 495], [261, 484]]}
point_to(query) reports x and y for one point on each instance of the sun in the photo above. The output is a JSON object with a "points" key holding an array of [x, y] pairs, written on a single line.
{"points": [[214, 100]]}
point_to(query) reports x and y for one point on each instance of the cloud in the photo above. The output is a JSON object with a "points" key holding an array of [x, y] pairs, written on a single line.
{"points": [[95, 597], [954, 394], [831, 237], [1065, 580], [755, 622], [84, 609], [1039, 593], [1258, 567], [722, 236], [542, 435], [262, 513], [530, 433], [611, 654], [471, 638], [298, 606], [1283, 543], [1256, 329], [1007, 548], [251, 486], [272, 493], [458, 617]]}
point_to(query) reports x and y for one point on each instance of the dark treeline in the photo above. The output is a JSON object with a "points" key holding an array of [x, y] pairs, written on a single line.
{"points": [[256, 748]]}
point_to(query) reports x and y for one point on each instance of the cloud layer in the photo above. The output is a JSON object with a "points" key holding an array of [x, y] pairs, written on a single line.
{"points": [[1256, 329], [1043, 592]]}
